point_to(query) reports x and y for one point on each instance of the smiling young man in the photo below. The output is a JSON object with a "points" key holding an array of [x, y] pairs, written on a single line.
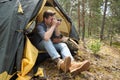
{"points": [[48, 37]]}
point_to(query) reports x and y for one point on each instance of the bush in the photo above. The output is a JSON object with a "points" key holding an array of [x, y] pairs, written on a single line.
{"points": [[94, 45]]}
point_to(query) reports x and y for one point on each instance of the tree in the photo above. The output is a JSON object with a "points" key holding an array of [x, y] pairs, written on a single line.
{"points": [[79, 17], [92, 17], [103, 21], [83, 18]]}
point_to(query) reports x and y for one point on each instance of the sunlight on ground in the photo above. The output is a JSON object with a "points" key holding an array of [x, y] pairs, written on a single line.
{"points": [[107, 50]]}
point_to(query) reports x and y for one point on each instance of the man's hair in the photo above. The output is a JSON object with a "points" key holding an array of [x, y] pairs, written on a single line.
{"points": [[48, 13]]}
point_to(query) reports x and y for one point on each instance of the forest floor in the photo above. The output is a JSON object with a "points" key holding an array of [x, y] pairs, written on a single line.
{"points": [[104, 65]]}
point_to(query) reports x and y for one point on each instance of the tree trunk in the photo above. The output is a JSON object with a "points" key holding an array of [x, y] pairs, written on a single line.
{"points": [[79, 17], [71, 7], [111, 39], [83, 23], [89, 26], [103, 21]]}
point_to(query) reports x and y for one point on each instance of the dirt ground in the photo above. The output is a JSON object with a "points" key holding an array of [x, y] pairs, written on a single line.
{"points": [[105, 65]]}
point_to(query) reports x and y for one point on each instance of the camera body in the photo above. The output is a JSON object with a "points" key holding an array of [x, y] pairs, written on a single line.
{"points": [[59, 20]]}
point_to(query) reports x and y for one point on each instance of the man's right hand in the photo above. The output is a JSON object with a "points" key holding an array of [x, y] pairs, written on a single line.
{"points": [[55, 23]]}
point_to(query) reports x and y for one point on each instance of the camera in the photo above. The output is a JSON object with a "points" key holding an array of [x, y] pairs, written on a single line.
{"points": [[59, 20]]}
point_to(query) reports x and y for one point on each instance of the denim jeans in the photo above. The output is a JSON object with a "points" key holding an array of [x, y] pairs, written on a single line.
{"points": [[53, 49]]}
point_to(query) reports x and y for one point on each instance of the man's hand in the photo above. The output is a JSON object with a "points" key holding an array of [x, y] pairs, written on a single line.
{"points": [[55, 22], [56, 40], [64, 39]]}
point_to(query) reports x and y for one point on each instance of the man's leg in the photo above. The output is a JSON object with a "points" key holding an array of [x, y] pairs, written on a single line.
{"points": [[49, 47], [62, 64], [64, 50], [75, 66]]}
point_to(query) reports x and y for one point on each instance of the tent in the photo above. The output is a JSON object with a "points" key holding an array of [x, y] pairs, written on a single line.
{"points": [[15, 17]]}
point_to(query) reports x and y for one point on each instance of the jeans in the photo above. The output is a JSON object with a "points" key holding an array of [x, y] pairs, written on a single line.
{"points": [[53, 49]]}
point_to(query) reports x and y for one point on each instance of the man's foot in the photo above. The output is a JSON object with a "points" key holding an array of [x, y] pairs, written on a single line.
{"points": [[64, 64], [79, 66]]}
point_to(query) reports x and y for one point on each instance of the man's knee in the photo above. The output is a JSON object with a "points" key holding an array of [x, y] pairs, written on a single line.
{"points": [[63, 44]]}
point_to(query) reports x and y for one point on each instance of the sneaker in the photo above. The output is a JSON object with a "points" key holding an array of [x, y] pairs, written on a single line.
{"points": [[64, 64], [79, 66]]}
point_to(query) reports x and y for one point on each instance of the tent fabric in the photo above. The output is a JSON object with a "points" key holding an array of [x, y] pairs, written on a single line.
{"points": [[73, 32], [12, 24], [29, 59], [15, 15]]}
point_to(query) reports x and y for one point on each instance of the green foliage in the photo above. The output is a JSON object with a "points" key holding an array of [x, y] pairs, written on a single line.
{"points": [[116, 44], [94, 45]]}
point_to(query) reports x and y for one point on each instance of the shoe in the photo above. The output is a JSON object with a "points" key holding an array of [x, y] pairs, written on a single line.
{"points": [[64, 64], [79, 66]]}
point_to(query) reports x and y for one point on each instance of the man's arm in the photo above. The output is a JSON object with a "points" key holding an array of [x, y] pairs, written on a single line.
{"points": [[49, 33], [57, 32], [58, 35]]}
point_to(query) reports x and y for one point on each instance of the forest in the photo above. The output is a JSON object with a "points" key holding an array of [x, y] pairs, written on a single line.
{"points": [[94, 18]]}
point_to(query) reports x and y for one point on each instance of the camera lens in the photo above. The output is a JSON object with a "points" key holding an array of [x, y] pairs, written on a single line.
{"points": [[59, 20]]}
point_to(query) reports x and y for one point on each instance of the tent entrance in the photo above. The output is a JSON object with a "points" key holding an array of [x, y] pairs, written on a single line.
{"points": [[65, 25]]}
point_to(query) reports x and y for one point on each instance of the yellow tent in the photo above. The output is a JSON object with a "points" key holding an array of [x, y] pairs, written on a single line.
{"points": [[17, 16], [30, 52]]}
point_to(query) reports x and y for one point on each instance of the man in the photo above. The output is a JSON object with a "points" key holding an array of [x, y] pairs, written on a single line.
{"points": [[48, 37]]}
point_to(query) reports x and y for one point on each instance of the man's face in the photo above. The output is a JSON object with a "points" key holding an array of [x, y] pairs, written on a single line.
{"points": [[49, 20]]}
